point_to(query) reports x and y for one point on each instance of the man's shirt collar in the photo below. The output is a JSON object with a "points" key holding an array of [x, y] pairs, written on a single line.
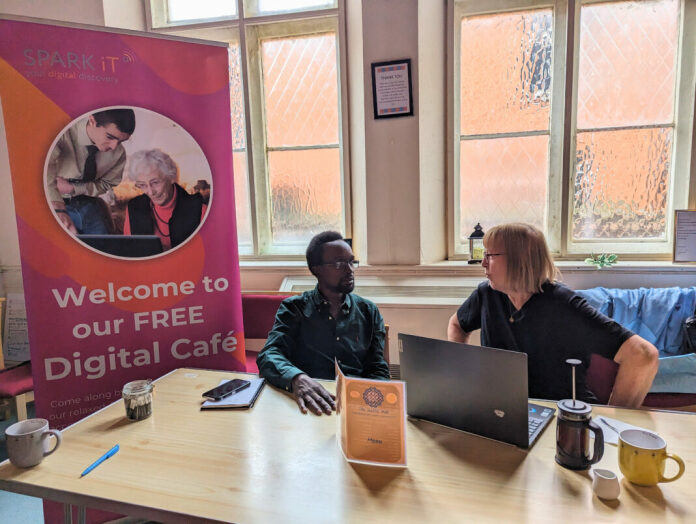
{"points": [[321, 302], [82, 137]]}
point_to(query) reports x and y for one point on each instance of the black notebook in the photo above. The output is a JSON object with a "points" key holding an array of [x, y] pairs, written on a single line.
{"points": [[242, 399]]}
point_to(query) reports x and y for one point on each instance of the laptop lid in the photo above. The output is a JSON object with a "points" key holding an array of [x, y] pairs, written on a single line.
{"points": [[133, 246], [476, 389]]}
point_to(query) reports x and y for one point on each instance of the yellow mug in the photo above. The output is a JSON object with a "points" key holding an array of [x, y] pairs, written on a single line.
{"points": [[642, 457]]}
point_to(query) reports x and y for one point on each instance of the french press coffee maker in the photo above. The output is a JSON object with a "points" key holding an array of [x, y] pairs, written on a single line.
{"points": [[573, 428]]}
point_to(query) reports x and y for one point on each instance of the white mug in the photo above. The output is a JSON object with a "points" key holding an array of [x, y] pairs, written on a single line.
{"points": [[27, 442]]}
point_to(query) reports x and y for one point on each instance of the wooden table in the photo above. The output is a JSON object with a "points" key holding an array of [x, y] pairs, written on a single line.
{"points": [[273, 464]]}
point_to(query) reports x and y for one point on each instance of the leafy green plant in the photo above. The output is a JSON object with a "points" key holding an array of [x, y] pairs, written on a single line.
{"points": [[602, 260]]}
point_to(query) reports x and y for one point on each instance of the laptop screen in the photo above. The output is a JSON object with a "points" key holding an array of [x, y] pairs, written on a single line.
{"points": [[132, 246], [476, 389]]}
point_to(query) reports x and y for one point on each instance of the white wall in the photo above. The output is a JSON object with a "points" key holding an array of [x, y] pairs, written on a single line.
{"points": [[431, 131], [9, 252], [74, 11], [390, 32], [126, 14]]}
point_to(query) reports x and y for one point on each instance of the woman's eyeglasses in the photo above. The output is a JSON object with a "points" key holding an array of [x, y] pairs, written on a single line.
{"points": [[487, 256]]}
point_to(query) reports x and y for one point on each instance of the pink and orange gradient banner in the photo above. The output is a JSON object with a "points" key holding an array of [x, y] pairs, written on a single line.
{"points": [[97, 321]]}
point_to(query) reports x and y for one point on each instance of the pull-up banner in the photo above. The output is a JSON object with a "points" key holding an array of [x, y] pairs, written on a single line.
{"points": [[121, 162]]}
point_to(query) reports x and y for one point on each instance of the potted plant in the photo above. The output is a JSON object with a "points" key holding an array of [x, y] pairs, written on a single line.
{"points": [[602, 260]]}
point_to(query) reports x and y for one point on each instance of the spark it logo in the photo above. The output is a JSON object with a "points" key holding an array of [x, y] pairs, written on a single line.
{"points": [[127, 57], [72, 61]]}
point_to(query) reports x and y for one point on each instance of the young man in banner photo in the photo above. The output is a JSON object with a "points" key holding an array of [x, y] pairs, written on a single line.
{"points": [[87, 161], [326, 323]]}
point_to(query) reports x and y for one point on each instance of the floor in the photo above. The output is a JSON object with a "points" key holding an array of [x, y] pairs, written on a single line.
{"points": [[17, 509]]}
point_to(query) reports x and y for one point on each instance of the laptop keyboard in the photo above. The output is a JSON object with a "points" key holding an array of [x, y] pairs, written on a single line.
{"points": [[539, 417], [533, 425]]}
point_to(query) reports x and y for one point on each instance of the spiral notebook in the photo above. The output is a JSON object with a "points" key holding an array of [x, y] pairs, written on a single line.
{"points": [[242, 399]]}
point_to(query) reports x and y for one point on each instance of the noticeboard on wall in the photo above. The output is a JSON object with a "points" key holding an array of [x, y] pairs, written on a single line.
{"points": [[392, 93], [684, 236]]}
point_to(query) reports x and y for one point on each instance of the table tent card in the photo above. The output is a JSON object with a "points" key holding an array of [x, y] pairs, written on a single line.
{"points": [[371, 418]]}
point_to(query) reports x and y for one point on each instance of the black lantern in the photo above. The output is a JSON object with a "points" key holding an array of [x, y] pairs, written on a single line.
{"points": [[476, 245]]}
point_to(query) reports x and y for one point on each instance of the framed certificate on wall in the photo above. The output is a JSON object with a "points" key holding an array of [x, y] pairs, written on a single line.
{"points": [[684, 236], [392, 94]]}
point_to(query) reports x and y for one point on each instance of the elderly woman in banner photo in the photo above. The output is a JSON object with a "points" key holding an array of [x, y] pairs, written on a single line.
{"points": [[165, 208]]}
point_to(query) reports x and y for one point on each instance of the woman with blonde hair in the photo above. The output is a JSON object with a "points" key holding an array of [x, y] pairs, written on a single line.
{"points": [[523, 307]]}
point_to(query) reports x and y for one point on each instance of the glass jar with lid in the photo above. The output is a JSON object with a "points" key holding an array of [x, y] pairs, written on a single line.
{"points": [[137, 396]]}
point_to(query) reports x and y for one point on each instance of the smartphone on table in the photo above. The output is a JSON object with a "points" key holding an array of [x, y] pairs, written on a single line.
{"points": [[226, 389]]}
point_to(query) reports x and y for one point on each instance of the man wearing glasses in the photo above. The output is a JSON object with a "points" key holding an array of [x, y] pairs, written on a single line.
{"points": [[326, 323]]}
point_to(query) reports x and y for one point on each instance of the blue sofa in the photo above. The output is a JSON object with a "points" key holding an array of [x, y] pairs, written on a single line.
{"points": [[656, 314]]}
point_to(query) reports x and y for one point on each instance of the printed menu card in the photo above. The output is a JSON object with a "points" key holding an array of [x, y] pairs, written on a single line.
{"points": [[371, 420]]}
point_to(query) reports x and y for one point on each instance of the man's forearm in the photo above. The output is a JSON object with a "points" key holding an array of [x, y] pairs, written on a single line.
{"points": [[93, 189], [53, 193], [275, 367], [105, 182], [375, 366], [377, 369]]}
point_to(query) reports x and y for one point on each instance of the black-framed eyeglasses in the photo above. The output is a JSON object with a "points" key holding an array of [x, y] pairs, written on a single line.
{"points": [[487, 256], [342, 264]]}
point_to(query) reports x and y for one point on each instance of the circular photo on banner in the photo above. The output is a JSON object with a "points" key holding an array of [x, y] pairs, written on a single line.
{"points": [[128, 182]]}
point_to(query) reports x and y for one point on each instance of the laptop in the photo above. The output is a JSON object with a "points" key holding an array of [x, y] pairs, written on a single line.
{"points": [[472, 388], [133, 246]]}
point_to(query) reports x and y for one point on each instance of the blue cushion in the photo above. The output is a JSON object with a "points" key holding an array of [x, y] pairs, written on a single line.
{"points": [[676, 375]]}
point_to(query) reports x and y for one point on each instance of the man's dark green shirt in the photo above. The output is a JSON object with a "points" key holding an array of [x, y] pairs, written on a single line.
{"points": [[306, 338]]}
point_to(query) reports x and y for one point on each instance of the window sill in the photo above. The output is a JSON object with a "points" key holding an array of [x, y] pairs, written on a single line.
{"points": [[461, 267], [630, 266], [448, 276]]}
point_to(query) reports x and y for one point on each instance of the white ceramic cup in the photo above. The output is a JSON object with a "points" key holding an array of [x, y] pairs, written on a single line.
{"points": [[28, 442], [605, 484]]}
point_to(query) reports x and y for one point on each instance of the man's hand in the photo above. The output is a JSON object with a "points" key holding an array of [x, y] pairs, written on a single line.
{"points": [[67, 222], [64, 218], [64, 187], [310, 395]]}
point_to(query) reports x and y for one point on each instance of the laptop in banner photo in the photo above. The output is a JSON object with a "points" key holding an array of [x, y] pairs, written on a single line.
{"points": [[472, 388], [131, 246]]}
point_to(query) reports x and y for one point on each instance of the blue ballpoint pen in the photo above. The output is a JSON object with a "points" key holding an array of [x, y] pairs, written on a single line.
{"points": [[101, 459]]}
